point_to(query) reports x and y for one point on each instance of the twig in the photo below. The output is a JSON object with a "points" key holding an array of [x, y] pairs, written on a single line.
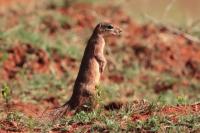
{"points": [[185, 35], [173, 29], [168, 8]]}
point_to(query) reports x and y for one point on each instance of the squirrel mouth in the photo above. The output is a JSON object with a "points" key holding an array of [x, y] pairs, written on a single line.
{"points": [[118, 31]]}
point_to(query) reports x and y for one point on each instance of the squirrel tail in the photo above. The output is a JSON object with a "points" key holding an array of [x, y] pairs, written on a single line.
{"points": [[54, 114]]}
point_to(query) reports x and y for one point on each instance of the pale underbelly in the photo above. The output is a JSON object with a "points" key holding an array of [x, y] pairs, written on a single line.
{"points": [[95, 72], [91, 75]]}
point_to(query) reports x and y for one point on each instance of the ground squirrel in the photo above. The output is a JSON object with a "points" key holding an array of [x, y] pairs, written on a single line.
{"points": [[91, 68]]}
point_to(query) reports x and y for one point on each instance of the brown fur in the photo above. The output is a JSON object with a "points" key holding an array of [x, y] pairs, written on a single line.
{"points": [[92, 65]]}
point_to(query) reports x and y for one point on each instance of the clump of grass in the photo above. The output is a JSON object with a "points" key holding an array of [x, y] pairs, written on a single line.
{"points": [[6, 93], [84, 117], [22, 121], [132, 71], [41, 86], [151, 125]]}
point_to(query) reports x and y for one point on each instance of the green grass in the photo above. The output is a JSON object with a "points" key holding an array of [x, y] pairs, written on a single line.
{"points": [[111, 121], [67, 43], [6, 93]]}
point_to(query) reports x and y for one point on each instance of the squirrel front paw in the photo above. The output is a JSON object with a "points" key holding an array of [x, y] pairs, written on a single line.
{"points": [[102, 66]]}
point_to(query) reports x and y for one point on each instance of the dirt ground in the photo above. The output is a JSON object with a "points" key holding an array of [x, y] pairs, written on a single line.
{"points": [[156, 48]]}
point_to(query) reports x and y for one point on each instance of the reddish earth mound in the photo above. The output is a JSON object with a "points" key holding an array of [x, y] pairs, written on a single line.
{"points": [[33, 59], [172, 111], [181, 109], [164, 51], [155, 46]]}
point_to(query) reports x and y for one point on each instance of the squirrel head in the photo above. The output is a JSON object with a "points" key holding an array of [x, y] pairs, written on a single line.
{"points": [[107, 29]]}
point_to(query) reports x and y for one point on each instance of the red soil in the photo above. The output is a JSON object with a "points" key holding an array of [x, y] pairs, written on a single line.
{"points": [[41, 63], [172, 111], [155, 47]]}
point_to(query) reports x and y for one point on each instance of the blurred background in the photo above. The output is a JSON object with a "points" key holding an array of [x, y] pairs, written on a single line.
{"points": [[44, 38], [174, 11], [157, 58]]}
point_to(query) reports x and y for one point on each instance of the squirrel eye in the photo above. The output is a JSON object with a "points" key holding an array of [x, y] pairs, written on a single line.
{"points": [[110, 27]]}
